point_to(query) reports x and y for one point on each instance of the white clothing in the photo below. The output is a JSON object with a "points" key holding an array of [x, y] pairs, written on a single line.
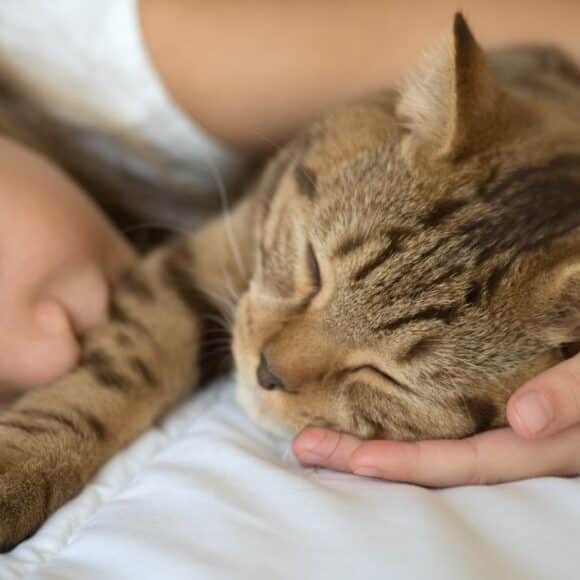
{"points": [[87, 61]]}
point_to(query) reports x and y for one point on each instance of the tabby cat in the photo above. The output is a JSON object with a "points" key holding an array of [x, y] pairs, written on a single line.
{"points": [[405, 264]]}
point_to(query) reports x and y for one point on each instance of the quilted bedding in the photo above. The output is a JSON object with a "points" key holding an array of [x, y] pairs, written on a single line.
{"points": [[207, 495]]}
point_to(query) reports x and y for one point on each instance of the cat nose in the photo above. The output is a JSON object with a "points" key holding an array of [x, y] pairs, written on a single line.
{"points": [[267, 379]]}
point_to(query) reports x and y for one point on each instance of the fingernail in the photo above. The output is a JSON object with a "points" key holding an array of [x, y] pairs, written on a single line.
{"points": [[312, 447], [367, 472], [535, 412]]}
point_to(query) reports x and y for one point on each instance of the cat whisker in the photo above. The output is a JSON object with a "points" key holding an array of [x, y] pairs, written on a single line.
{"points": [[234, 295], [220, 302], [214, 297], [275, 147], [214, 343], [226, 210], [224, 353], [223, 325], [155, 225]]}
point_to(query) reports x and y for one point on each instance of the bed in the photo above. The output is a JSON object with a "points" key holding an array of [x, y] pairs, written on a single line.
{"points": [[207, 495]]}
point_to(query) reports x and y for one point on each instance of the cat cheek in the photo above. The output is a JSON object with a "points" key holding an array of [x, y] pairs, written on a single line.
{"points": [[242, 348], [248, 398], [264, 409]]}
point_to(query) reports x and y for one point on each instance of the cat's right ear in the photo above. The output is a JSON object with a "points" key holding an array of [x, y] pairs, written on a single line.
{"points": [[451, 103]]}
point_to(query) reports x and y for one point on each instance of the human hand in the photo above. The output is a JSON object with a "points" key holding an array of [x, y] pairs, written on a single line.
{"points": [[544, 440], [58, 255]]}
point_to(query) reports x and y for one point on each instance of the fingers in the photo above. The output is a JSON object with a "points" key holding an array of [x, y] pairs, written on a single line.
{"points": [[430, 463], [549, 403], [325, 448], [492, 457], [434, 463]]}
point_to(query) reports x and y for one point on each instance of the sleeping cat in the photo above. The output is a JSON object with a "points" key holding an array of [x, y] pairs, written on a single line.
{"points": [[404, 265]]}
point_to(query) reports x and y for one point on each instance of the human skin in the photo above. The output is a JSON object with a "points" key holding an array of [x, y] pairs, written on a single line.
{"points": [[58, 254], [542, 441], [252, 72]]}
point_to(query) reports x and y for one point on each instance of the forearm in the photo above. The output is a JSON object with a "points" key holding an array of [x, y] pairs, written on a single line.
{"points": [[253, 71]]}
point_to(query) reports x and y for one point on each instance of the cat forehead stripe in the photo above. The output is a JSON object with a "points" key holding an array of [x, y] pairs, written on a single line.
{"points": [[526, 210], [444, 314], [443, 210], [395, 236], [420, 348], [349, 245], [306, 180], [527, 175], [512, 215], [375, 262]]}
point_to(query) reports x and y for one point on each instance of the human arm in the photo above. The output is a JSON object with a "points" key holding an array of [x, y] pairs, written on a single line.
{"points": [[253, 72], [59, 254]]}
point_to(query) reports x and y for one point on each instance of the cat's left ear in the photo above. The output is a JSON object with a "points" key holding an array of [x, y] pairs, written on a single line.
{"points": [[452, 102]]}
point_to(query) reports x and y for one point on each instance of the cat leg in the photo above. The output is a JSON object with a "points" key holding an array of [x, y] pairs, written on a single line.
{"points": [[133, 368]]}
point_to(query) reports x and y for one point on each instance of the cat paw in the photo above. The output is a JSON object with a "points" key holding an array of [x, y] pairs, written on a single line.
{"points": [[29, 492]]}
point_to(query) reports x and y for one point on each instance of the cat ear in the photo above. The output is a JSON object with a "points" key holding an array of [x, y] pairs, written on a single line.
{"points": [[451, 102]]}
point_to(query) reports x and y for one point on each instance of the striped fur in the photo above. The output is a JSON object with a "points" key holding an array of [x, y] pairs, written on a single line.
{"points": [[404, 265]]}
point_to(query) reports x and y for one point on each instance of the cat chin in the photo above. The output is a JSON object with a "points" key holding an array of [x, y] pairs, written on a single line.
{"points": [[249, 399]]}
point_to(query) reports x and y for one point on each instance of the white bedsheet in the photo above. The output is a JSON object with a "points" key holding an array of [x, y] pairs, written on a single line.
{"points": [[207, 495]]}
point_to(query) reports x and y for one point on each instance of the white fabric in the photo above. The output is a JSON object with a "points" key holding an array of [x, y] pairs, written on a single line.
{"points": [[87, 60], [209, 496]]}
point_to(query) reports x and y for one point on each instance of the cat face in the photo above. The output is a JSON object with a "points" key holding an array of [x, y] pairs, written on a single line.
{"points": [[417, 258]]}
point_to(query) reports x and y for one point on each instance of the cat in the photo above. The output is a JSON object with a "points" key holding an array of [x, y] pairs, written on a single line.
{"points": [[404, 264]]}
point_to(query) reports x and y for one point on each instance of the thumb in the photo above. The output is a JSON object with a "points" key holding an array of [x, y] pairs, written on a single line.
{"points": [[548, 403]]}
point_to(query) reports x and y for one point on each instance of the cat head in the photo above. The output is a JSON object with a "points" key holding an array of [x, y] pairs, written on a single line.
{"points": [[418, 257]]}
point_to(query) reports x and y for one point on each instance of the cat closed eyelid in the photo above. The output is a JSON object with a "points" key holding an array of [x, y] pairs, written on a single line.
{"points": [[378, 372], [314, 269]]}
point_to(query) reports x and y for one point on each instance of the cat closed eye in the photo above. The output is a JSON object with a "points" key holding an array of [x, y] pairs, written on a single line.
{"points": [[373, 369], [313, 269]]}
